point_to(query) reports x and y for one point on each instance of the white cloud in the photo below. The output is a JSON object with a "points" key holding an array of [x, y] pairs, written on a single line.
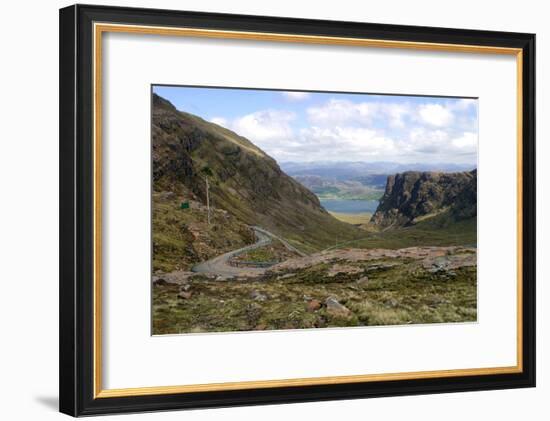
{"points": [[339, 144], [395, 113], [263, 126], [296, 96], [343, 130], [435, 115], [464, 104], [341, 111], [466, 142]]}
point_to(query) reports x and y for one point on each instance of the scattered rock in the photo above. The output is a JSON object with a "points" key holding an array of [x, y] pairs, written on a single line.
{"points": [[185, 287], [177, 278], [363, 281], [458, 257], [347, 269], [314, 305], [165, 195], [391, 303], [336, 309], [159, 281], [185, 295], [381, 267], [437, 300], [449, 262], [258, 296], [285, 276]]}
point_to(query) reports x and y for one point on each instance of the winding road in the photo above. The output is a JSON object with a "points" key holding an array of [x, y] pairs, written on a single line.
{"points": [[220, 266]]}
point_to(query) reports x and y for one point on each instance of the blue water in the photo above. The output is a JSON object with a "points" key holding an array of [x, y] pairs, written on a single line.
{"points": [[349, 206]]}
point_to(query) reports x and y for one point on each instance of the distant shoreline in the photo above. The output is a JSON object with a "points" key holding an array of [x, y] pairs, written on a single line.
{"points": [[353, 218]]}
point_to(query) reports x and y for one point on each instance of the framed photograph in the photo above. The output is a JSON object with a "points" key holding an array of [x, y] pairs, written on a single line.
{"points": [[262, 210]]}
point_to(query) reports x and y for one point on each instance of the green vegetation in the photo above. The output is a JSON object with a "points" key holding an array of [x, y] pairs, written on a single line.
{"points": [[357, 273], [243, 180], [274, 252], [378, 292], [330, 188], [430, 232], [182, 237]]}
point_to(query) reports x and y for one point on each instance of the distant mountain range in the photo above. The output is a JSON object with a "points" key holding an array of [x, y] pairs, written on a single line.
{"points": [[359, 170], [356, 180], [361, 188]]}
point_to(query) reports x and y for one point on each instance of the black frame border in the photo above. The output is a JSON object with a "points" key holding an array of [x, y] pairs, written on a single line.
{"points": [[76, 290]]}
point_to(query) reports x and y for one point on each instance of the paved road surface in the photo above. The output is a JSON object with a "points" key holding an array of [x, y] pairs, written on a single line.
{"points": [[282, 240], [220, 265]]}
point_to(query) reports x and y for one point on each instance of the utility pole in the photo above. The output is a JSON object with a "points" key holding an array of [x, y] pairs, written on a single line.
{"points": [[207, 199]]}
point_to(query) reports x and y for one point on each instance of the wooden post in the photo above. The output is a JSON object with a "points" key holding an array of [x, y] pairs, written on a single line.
{"points": [[207, 200]]}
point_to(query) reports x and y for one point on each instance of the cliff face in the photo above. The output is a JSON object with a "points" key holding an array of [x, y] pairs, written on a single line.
{"points": [[243, 179], [413, 196]]}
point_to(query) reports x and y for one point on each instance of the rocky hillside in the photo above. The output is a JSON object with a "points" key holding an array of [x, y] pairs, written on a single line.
{"points": [[183, 237], [411, 197], [244, 180]]}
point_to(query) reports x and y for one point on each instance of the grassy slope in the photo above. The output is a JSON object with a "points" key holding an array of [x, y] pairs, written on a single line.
{"points": [[429, 232], [176, 247], [247, 183], [279, 205], [405, 293], [243, 179], [273, 252]]}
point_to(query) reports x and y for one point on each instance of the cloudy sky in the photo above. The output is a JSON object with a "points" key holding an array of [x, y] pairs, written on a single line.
{"points": [[307, 127]]}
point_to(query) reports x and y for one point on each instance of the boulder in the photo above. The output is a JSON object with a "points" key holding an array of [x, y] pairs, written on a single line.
{"points": [[345, 269], [185, 287], [336, 309], [285, 276], [258, 296], [185, 295], [177, 278], [314, 305], [363, 281], [159, 281]]}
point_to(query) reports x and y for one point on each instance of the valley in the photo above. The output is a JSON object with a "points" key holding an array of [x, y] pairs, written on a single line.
{"points": [[243, 243]]}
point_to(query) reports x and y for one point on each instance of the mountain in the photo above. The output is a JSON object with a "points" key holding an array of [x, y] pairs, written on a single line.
{"points": [[331, 188], [369, 173], [413, 196], [244, 181], [356, 180]]}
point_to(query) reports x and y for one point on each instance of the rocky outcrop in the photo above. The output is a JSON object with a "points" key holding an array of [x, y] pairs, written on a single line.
{"points": [[413, 196]]}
